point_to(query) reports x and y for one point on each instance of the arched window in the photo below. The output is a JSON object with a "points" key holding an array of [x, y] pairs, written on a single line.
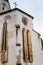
{"points": [[27, 46], [4, 56], [25, 49], [7, 17], [4, 37], [29, 43]]}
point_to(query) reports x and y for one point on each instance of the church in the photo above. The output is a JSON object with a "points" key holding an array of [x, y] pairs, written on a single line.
{"points": [[20, 44]]}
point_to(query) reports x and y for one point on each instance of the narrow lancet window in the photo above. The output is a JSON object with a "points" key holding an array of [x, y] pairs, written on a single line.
{"points": [[30, 53], [25, 49], [27, 46], [4, 56]]}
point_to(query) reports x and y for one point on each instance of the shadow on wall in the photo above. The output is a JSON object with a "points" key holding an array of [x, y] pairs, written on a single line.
{"points": [[42, 43]]}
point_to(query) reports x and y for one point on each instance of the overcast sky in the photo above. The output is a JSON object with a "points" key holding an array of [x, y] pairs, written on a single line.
{"points": [[34, 8]]}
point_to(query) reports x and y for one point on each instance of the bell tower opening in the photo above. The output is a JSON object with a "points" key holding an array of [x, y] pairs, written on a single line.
{"points": [[4, 6]]}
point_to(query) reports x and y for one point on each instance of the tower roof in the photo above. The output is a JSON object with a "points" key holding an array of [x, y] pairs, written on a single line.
{"points": [[7, 0]]}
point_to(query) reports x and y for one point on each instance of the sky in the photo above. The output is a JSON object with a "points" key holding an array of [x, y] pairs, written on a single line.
{"points": [[34, 8]]}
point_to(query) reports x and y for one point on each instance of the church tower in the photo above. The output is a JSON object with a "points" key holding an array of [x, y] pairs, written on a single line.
{"points": [[4, 5]]}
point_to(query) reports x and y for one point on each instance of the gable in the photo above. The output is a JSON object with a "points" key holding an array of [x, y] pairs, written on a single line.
{"points": [[15, 10]]}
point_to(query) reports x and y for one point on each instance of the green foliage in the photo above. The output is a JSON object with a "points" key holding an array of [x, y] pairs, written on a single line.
{"points": [[42, 43]]}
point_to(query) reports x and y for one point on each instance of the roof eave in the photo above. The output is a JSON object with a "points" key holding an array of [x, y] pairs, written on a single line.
{"points": [[16, 9], [37, 32]]}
